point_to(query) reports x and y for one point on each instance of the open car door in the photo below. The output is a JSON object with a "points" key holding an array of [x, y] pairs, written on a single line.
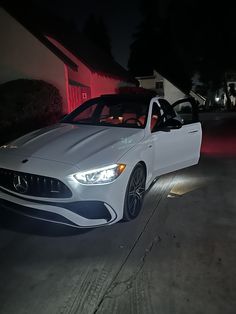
{"points": [[177, 137], [187, 111]]}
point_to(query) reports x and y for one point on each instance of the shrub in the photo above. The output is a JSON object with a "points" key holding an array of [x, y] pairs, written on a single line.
{"points": [[26, 105]]}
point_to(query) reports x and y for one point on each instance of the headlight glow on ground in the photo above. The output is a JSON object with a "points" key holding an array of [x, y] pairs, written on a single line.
{"points": [[184, 184]]}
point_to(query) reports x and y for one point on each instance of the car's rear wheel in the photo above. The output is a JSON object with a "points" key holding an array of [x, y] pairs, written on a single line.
{"points": [[134, 193]]}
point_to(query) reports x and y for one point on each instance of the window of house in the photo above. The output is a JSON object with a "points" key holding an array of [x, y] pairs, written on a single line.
{"points": [[159, 85]]}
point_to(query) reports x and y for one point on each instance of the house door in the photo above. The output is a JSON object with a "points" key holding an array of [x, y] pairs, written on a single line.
{"points": [[74, 97]]}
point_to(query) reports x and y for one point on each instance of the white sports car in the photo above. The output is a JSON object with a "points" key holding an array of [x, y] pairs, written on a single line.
{"points": [[92, 168]]}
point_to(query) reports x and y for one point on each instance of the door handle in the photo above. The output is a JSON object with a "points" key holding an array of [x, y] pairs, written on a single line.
{"points": [[193, 131]]}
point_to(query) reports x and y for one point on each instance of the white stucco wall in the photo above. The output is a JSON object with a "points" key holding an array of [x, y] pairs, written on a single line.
{"points": [[148, 83], [172, 93], [24, 56]]}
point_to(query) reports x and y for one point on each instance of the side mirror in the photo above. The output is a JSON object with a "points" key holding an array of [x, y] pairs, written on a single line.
{"points": [[171, 124]]}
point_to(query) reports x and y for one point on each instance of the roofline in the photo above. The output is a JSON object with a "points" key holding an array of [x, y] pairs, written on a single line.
{"points": [[64, 58], [56, 51], [145, 77], [197, 94], [165, 77], [75, 83]]}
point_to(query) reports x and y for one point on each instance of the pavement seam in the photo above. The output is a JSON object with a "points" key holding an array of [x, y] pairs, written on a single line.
{"points": [[156, 239], [129, 282]]}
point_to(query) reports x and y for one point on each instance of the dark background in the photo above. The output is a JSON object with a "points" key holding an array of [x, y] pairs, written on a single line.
{"points": [[177, 38]]}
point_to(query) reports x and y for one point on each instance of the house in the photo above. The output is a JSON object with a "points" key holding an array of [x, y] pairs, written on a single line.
{"points": [[78, 74], [164, 87], [161, 85], [201, 100]]}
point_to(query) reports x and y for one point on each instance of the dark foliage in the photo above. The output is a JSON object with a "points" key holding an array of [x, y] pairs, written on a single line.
{"points": [[178, 38], [96, 30], [41, 21], [26, 105]]}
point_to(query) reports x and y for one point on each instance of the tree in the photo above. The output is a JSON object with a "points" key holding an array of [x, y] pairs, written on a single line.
{"points": [[96, 31], [190, 36], [142, 51], [153, 47]]}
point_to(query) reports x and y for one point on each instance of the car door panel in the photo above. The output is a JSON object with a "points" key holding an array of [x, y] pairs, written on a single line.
{"points": [[177, 148]]}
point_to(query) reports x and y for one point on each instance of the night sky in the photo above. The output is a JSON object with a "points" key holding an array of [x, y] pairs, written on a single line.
{"points": [[177, 38], [121, 18]]}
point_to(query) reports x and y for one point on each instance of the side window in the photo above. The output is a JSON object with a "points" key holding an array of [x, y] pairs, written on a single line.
{"points": [[86, 114], [187, 111], [156, 117], [105, 111], [168, 110]]}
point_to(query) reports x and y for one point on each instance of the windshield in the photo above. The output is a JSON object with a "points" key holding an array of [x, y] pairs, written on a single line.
{"points": [[111, 111]]}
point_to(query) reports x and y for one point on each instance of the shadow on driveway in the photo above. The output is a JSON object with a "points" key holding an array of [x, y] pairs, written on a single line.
{"points": [[27, 225]]}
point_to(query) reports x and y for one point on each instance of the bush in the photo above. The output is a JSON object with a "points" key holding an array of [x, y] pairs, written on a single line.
{"points": [[26, 105]]}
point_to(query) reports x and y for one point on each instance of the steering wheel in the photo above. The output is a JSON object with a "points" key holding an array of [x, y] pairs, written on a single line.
{"points": [[137, 121]]}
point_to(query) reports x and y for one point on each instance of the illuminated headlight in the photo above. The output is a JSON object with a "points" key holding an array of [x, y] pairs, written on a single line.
{"points": [[102, 175]]}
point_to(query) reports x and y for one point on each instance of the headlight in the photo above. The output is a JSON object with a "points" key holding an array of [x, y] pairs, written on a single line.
{"points": [[100, 175]]}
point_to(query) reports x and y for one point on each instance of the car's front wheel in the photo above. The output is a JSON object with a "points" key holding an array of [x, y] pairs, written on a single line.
{"points": [[134, 193]]}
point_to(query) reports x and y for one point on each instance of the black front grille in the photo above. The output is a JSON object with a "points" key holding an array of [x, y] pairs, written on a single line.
{"points": [[33, 185]]}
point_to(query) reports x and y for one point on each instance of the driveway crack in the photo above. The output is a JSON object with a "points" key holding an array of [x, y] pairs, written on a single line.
{"points": [[128, 283]]}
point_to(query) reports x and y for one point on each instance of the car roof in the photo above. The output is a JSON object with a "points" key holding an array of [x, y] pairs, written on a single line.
{"points": [[137, 97]]}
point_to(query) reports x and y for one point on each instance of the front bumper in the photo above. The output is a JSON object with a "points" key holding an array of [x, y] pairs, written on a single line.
{"points": [[88, 206], [80, 214]]}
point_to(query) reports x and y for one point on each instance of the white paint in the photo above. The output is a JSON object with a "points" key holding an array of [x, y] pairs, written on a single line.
{"points": [[171, 92], [63, 150]]}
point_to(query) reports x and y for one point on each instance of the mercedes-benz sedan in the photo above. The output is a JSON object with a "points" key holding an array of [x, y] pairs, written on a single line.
{"points": [[93, 168]]}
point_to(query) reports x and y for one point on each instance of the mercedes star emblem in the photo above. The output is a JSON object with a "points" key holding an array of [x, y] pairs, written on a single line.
{"points": [[20, 184]]}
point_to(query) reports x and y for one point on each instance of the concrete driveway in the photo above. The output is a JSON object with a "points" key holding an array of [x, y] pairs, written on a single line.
{"points": [[178, 256]]}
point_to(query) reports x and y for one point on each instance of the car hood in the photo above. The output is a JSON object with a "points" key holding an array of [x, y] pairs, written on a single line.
{"points": [[81, 145]]}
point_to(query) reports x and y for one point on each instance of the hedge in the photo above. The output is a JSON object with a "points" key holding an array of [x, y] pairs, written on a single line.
{"points": [[26, 105]]}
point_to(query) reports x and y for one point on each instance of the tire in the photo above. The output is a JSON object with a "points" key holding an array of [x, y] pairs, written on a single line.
{"points": [[134, 193]]}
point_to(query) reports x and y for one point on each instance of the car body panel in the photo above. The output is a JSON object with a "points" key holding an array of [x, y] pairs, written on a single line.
{"points": [[62, 150], [176, 149], [78, 145]]}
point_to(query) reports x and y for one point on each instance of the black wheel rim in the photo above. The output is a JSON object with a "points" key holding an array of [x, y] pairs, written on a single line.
{"points": [[136, 191]]}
